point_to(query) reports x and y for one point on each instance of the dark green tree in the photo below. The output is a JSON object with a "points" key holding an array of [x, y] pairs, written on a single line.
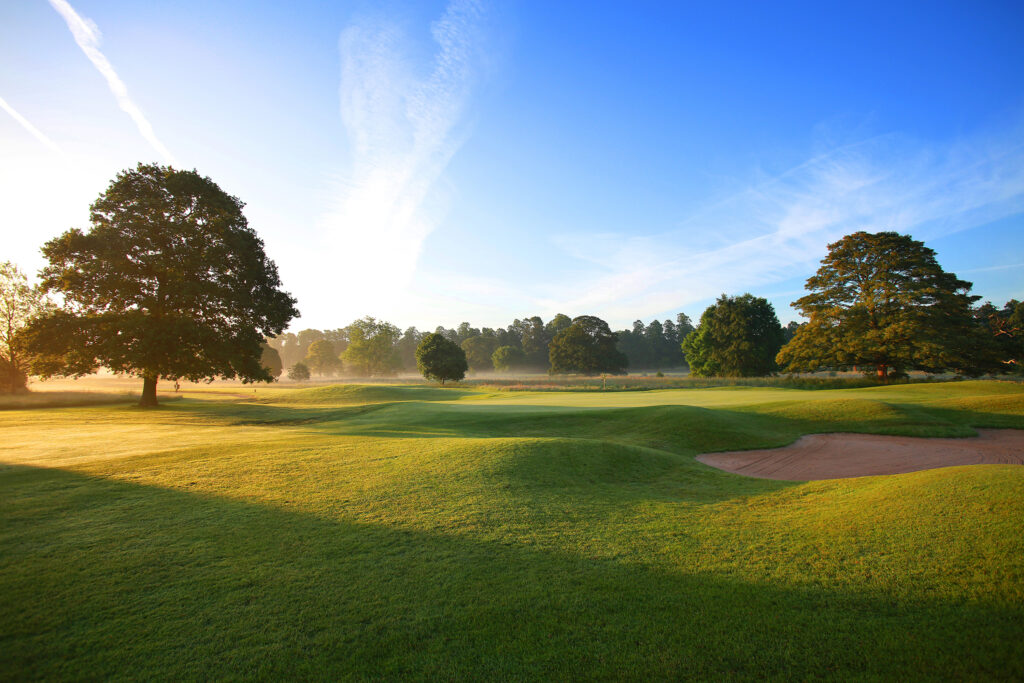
{"points": [[441, 359], [664, 350], [507, 358], [881, 301], [509, 336], [556, 325], [465, 331], [633, 345], [170, 282], [683, 326], [587, 347], [737, 337], [271, 360], [1006, 326], [535, 342], [322, 358], [406, 347], [479, 350]]}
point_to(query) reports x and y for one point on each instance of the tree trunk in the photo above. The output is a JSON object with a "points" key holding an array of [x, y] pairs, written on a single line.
{"points": [[148, 399], [882, 371]]}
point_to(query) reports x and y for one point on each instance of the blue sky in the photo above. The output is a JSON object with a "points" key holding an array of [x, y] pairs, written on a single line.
{"points": [[435, 162]]}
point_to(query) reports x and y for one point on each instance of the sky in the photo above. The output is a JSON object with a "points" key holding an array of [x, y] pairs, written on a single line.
{"points": [[430, 163]]}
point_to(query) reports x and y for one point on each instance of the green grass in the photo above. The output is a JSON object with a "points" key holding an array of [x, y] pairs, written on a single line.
{"points": [[383, 531]]}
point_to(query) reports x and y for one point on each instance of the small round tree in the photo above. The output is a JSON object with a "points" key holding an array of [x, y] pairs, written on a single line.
{"points": [[298, 372], [441, 359], [170, 282]]}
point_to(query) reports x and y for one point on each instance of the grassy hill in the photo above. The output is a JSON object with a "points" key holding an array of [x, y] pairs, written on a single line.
{"points": [[381, 531]]}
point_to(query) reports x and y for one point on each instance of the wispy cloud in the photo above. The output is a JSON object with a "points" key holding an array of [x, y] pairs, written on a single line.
{"points": [[989, 269], [403, 127], [778, 227], [27, 125], [87, 35]]}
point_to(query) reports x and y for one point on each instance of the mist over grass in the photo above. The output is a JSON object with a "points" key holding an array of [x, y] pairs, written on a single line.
{"points": [[57, 399]]}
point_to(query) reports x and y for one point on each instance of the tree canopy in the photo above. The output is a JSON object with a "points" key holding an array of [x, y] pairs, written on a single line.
{"points": [[738, 336], [372, 348], [1006, 327], [169, 282], [881, 301], [440, 359], [322, 359], [479, 350], [587, 347], [507, 358], [655, 344]]}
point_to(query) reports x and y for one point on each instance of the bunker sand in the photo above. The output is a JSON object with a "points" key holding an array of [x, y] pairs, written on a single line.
{"points": [[837, 456]]}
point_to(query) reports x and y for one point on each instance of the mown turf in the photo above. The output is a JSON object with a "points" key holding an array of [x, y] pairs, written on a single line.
{"points": [[376, 532]]}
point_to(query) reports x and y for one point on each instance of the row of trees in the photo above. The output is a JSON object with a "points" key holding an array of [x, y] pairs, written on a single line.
{"points": [[586, 345], [369, 347]]}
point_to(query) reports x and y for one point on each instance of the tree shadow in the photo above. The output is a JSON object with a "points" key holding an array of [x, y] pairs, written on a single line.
{"points": [[105, 578]]}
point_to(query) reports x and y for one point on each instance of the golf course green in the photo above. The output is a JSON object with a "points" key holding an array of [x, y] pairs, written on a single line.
{"points": [[382, 531]]}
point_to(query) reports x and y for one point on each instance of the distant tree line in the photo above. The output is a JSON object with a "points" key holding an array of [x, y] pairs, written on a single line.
{"points": [[879, 304], [369, 347]]}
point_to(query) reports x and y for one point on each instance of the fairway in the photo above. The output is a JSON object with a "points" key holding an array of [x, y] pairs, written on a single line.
{"points": [[377, 531]]}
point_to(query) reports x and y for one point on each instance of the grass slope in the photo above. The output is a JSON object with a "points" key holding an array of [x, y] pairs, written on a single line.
{"points": [[374, 532]]}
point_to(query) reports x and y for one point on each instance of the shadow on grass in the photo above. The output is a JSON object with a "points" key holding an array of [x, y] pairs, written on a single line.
{"points": [[104, 578]]}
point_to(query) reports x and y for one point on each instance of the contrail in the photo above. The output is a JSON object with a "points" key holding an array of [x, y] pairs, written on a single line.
{"points": [[87, 35], [27, 125]]}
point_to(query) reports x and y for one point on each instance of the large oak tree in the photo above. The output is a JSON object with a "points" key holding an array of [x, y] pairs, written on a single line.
{"points": [[881, 301], [169, 282]]}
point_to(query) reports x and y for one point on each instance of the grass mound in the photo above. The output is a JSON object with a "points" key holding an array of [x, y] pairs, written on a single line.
{"points": [[343, 394]]}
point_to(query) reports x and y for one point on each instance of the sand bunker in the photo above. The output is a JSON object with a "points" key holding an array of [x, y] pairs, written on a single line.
{"points": [[835, 456]]}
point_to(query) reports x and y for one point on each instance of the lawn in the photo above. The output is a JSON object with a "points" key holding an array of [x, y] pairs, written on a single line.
{"points": [[382, 531]]}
